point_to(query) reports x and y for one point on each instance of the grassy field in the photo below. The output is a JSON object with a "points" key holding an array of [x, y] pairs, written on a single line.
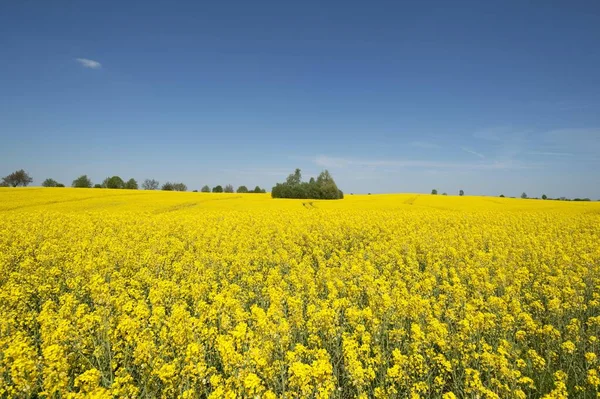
{"points": [[125, 293]]}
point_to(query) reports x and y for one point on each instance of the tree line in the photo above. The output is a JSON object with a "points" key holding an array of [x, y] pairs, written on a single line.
{"points": [[20, 178], [323, 187]]}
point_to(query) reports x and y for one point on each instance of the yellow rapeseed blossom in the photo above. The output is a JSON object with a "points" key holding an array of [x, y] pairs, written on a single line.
{"points": [[123, 293]]}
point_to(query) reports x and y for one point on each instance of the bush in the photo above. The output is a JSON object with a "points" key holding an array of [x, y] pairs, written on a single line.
{"points": [[217, 189], [50, 183], [205, 189], [242, 189]]}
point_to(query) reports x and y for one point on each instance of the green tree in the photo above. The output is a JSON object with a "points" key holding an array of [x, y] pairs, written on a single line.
{"points": [[179, 187], [544, 196], [501, 195], [82, 182], [131, 184], [461, 193], [434, 192], [168, 186], [18, 178], [217, 189], [150, 184], [49, 183], [295, 178], [205, 189], [524, 195], [98, 185], [114, 182], [228, 188], [242, 189]]}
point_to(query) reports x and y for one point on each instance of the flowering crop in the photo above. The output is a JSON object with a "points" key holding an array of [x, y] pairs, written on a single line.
{"points": [[115, 293]]}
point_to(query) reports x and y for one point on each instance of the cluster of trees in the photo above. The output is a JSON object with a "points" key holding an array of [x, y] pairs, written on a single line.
{"points": [[434, 192], [229, 189], [545, 197], [323, 187]]}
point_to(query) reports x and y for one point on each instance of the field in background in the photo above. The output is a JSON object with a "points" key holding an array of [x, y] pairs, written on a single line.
{"points": [[129, 293]]}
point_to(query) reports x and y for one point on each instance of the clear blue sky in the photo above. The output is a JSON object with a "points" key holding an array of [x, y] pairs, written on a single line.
{"points": [[489, 97]]}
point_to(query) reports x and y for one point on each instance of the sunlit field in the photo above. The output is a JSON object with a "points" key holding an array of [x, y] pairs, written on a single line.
{"points": [[124, 293]]}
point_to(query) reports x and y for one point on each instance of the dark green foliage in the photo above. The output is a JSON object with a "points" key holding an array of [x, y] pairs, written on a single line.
{"points": [[242, 189], [258, 190], [217, 189], [524, 195], [82, 182], [18, 178], [113, 182], [131, 184], [434, 192], [97, 185], [150, 184], [228, 188], [205, 189], [544, 196], [168, 186], [60, 185], [50, 183], [323, 187], [501, 195], [461, 193]]}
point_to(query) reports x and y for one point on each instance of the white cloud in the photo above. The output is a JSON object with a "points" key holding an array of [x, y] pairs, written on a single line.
{"points": [[87, 63], [472, 152]]}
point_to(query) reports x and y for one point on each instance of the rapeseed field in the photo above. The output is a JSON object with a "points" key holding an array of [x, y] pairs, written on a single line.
{"points": [[119, 293]]}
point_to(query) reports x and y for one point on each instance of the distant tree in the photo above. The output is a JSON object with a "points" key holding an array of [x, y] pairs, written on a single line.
{"points": [[98, 185], [217, 189], [242, 189], [18, 178], [501, 195], [205, 189], [544, 196], [228, 188], [4, 184], [194, 191], [179, 187], [113, 182], [444, 193], [524, 195], [150, 184], [82, 182], [60, 185], [461, 193], [131, 184], [434, 192], [258, 190], [168, 186], [49, 183]]}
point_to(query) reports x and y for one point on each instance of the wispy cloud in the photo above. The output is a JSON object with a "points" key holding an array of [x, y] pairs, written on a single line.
{"points": [[87, 63], [551, 154], [477, 154], [338, 162]]}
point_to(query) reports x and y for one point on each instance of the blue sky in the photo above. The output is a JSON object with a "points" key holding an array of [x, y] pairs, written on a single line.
{"points": [[489, 97]]}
